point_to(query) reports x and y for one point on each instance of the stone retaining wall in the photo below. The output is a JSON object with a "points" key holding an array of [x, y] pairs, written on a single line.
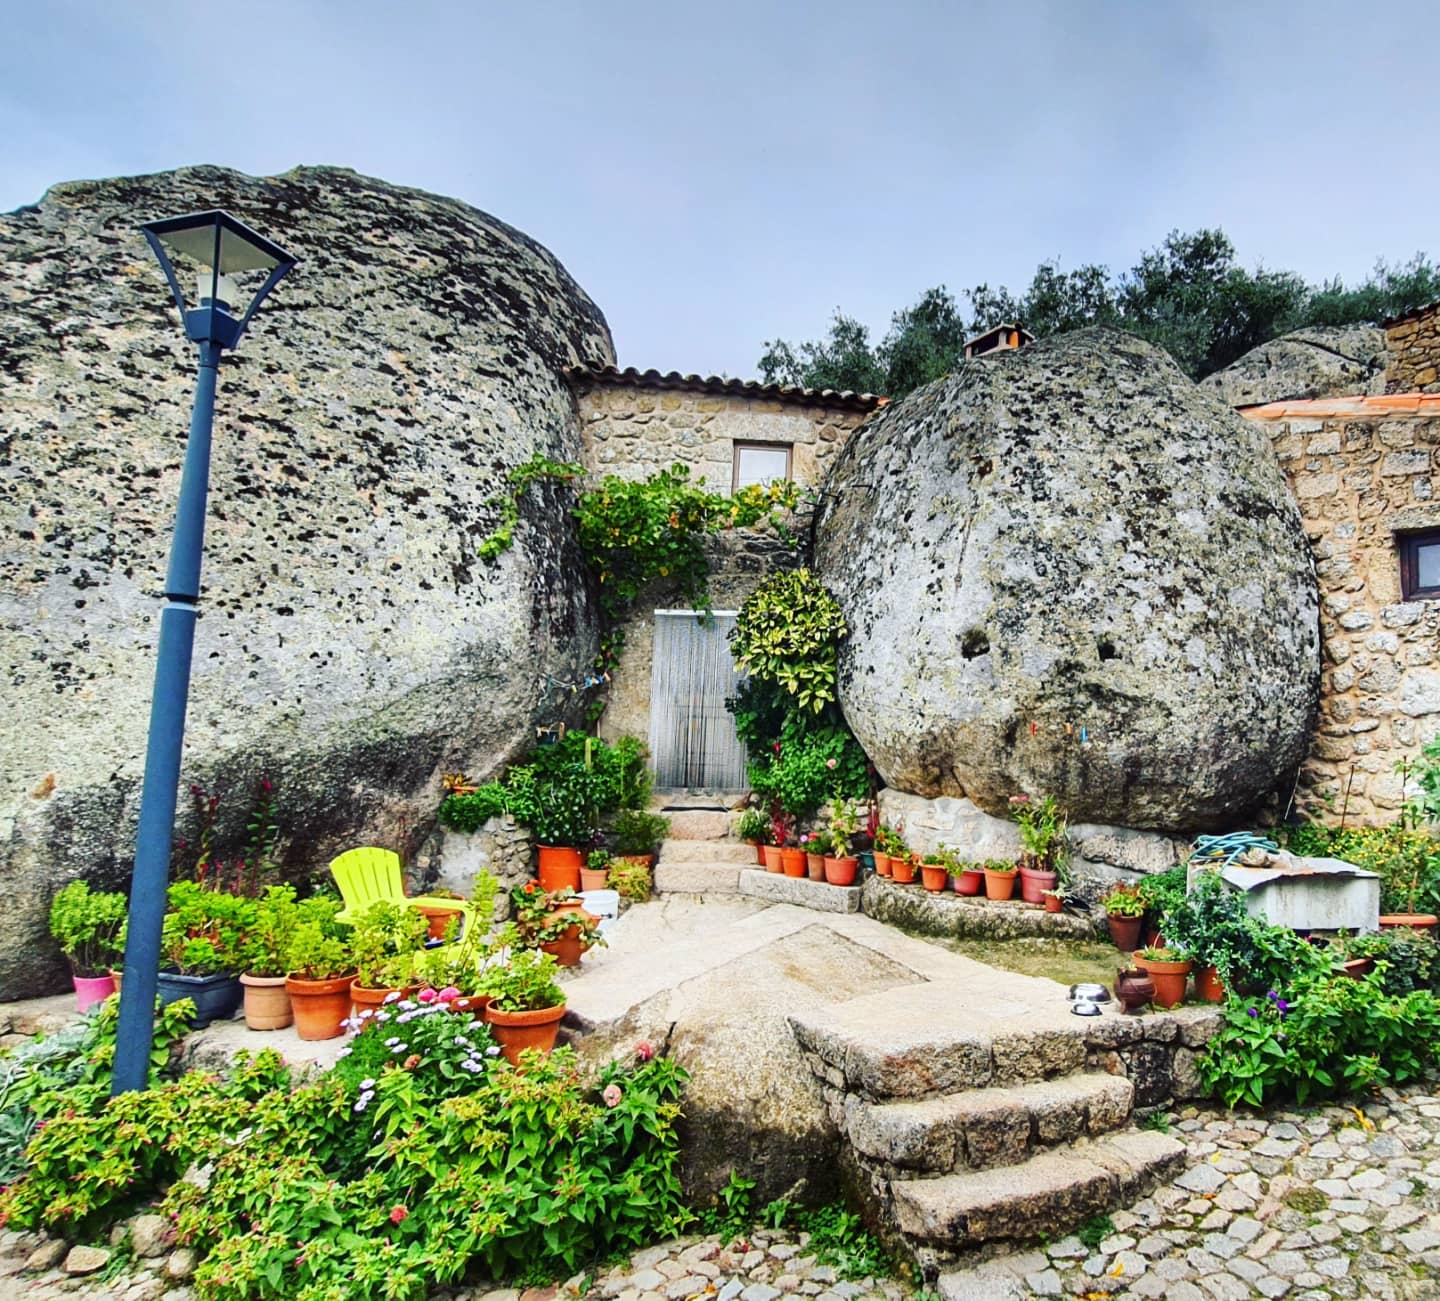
{"points": [[1414, 344], [916, 909], [453, 859]]}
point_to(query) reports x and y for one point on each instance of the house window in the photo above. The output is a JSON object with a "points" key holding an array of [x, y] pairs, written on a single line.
{"points": [[1420, 565], [760, 463]]}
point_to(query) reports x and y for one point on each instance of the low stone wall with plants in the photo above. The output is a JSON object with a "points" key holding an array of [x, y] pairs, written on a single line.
{"points": [[914, 908], [452, 860]]}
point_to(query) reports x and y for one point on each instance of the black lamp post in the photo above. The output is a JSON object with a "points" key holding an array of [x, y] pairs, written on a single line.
{"points": [[221, 246]]}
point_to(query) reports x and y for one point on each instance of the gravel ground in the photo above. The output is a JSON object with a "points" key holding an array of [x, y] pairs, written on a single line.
{"points": [[1312, 1204]]}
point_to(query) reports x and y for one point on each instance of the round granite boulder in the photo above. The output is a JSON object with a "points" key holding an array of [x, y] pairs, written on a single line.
{"points": [[1319, 362], [1069, 570], [351, 645]]}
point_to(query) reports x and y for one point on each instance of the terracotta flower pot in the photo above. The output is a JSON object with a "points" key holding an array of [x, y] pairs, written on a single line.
{"points": [[1169, 978], [1034, 883], [1355, 968], [1124, 931], [267, 1005], [559, 868], [969, 881], [882, 863], [902, 870], [363, 997], [1415, 921], [517, 1031], [1053, 903], [90, 990], [999, 885], [841, 871], [773, 861], [593, 879], [439, 918], [815, 866], [319, 1005], [1208, 985], [474, 1004], [759, 853], [792, 862], [567, 950], [934, 877], [117, 974]]}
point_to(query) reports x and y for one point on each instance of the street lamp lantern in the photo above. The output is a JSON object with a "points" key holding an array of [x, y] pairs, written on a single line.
{"points": [[222, 248]]}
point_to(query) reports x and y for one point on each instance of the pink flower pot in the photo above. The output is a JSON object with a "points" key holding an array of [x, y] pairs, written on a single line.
{"points": [[90, 990]]}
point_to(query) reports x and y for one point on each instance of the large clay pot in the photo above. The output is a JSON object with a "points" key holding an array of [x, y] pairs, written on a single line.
{"points": [[792, 861], [999, 885], [517, 1031], [902, 870], [568, 949], [215, 997], [969, 881], [319, 1006], [438, 917], [882, 863], [773, 861], [1420, 922], [934, 877], [267, 1005], [363, 997], [559, 868], [1356, 968], [1208, 985], [90, 990], [1034, 883], [1133, 988], [1124, 931], [815, 866], [473, 1004], [841, 871], [1169, 978]]}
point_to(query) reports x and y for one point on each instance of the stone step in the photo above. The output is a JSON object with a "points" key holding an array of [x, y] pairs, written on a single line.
{"points": [[696, 878], [701, 824], [989, 1127], [799, 891], [707, 851], [1048, 1194]]}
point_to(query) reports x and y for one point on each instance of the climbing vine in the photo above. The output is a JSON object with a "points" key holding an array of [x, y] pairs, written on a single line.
{"points": [[633, 532]]}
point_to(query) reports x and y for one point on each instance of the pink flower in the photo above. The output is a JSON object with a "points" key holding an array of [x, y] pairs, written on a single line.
{"points": [[398, 1214], [830, 763], [644, 1051], [426, 996], [449, 994], [611, 1095]]}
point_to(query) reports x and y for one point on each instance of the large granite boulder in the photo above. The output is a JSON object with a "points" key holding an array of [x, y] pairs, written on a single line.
{"points": [[1067, 569], [351, 645], [1319, 362]]}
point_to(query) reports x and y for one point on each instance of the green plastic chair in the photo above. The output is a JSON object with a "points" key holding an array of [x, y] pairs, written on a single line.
{"points": [[370, 875]]}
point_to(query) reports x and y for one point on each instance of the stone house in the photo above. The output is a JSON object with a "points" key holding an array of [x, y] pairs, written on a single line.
{"points": [[675, 671], [1413, 341]]}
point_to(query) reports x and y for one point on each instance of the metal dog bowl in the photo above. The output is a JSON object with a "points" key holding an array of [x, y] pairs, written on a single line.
{"points": [[1082, 1007], [1089, 993]]}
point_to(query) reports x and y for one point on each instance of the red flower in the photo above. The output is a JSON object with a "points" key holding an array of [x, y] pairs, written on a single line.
{"points": [[644, 1051], [398, 1214], [412, 1061]]}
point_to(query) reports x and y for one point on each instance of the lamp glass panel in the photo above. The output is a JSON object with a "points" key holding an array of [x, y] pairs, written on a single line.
{"points": [[236, 252]]}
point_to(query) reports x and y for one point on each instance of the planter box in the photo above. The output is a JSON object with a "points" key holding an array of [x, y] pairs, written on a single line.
{"points": [[215, 997]]}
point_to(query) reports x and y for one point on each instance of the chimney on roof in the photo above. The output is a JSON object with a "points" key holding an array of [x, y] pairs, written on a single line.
{"points": [[999, 338]]}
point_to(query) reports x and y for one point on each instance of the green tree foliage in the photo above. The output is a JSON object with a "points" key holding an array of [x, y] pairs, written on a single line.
{"points": [[1189, 296]]}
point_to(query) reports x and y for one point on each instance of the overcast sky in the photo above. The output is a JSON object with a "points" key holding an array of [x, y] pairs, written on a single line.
{"points": [[718, 174]]}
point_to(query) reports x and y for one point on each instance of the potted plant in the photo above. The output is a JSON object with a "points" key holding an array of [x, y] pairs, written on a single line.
{"points": [[814, 844], [934, 873], [526, 1005], [969, 878], [442, 923], [1168, 968], [202, 950], [631, 879], [267, 1005], [1210, 924], [1045, 862], [903, 867], [595, 875], [1000, 880], [1054, 900], [1125, 912], [889, 845], [87, 925], [840, 864], [754, 829], [554, 923], [458, 970], [792, 858], [319, 970], [780, 826], [638, 834], [563, 825], [383, 942]]}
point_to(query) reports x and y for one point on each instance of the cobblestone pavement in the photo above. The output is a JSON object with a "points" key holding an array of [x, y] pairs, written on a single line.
{"points": [[1313, 1204]]}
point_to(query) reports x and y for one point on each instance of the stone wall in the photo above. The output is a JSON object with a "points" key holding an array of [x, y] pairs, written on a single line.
{"points": [[1414, 343], [1361, 468], [451, 860]]}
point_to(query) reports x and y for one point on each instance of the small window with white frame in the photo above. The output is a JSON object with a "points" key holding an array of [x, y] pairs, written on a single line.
{"points": [[1420, 565], [760, 463]]}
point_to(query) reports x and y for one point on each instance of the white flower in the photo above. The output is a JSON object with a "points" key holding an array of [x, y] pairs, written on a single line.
{"points": [[405, 1017], [392, 995], [492, 1051], [461, 1041], [408, 1005], [382, 1016], [390, 1043], [399, 1048], [366, 1085]]}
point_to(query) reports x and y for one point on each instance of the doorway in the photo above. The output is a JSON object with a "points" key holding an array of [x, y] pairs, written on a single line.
{"points": [[692, 735]]}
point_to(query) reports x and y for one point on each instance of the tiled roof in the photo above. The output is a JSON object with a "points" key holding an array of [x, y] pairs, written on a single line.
{"points": [[1410, 315], [1380, 405], [588, 375]]}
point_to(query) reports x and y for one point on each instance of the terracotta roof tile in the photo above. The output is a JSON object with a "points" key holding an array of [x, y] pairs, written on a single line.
{"points": [[591, 374], [1375, 406]]}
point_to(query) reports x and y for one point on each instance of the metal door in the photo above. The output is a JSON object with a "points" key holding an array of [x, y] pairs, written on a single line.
{"points": [[692, 735]]}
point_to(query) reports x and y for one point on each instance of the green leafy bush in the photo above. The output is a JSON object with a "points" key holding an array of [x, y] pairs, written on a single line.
{"points": [[87, 925], [205, 932], [635, 831], [273, 920], [314, 954], [383, 933], [631, 879], [1044, 833], [1210, 926], [524, 984], [788, 632]]}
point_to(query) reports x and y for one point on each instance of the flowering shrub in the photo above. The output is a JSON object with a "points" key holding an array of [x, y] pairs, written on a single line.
{"points": [[407, 1166]]}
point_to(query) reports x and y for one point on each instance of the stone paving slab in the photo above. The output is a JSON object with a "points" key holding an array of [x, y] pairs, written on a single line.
{"points": [[800, 891]]}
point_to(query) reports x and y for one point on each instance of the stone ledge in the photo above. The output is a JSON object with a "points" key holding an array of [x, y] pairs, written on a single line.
{"points": [[947, 913], [800, 891]]}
